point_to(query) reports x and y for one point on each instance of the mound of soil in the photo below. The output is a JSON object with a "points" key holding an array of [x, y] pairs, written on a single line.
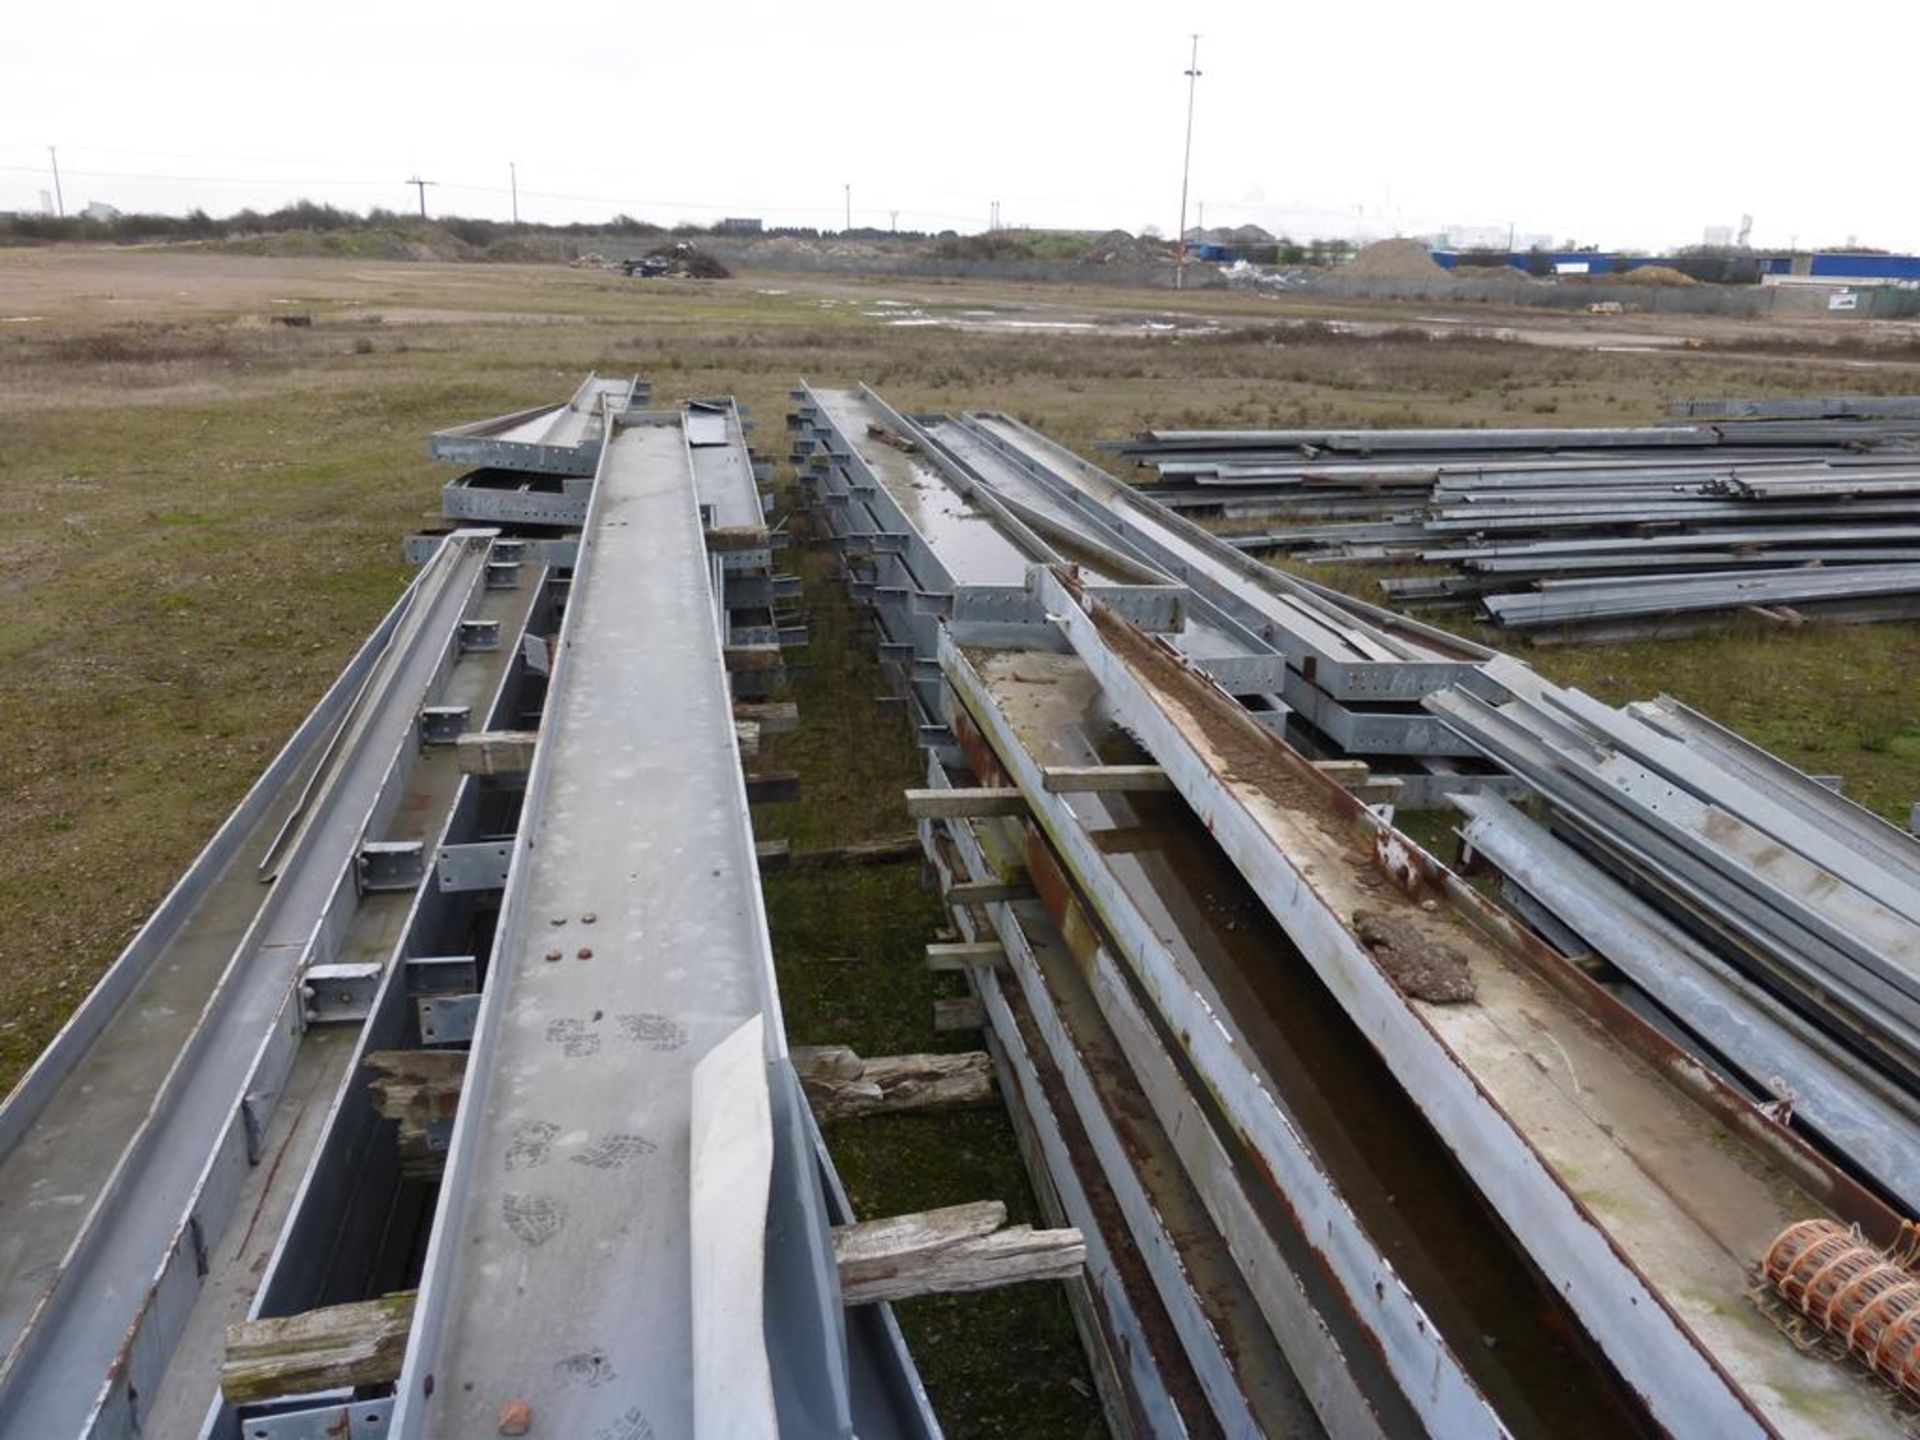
{"points": [[1417, 965], [1396, 260], [1654, 275]]}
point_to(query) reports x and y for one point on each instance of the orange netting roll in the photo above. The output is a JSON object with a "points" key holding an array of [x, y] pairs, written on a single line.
{"points": [[1853, 1291]]}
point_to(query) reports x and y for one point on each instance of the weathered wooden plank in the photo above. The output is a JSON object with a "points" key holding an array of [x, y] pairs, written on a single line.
{"points": [[743, 658], [965, 804], [842, 1085], [1103, 779], [772, 855], [774, 717], [496, 752], [967, 955], [417, 1088], [746, 739], [738, 537], [361, 1343], [988, 892], [888, 850], [959, 1248]]}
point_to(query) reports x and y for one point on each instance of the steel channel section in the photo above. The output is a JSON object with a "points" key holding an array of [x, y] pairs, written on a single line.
{"points": [[1327, 1378], [189, 1264], [1129, 1345], [567, 443], [1686, 1389], [1757, 1035], [91, 1310], [332, 1227], [1206, 1333], [887, 1395], [1661, 838], [1429, 1374], [859, 508], [465, 499], [1244, 588], [1854, 826], [1264, 668], [1895, 886], [454, 1320]]}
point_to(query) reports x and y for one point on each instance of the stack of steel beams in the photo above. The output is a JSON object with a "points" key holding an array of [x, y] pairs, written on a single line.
{"points": [[1163, 901], [1773, 919], [1592, 534], [204, 1142]]}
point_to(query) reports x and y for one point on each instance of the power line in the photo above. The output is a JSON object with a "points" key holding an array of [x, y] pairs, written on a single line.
{"points": [[421, 186]]}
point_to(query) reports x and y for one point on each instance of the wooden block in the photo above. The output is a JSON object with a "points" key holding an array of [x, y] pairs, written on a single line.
{"points": [[1103, 779], [885, 851], [840, 1085], [361, 1343], [741, 658], [985, 954], [965, 804], [746, 739], [774, 717], [964, 1013], [988, 892], [959, 1248], [417, 1088], [738, 537], [772, 854], [496, 752]]}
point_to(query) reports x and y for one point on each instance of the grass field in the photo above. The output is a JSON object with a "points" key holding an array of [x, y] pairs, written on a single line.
{"points": [[204, 517]]}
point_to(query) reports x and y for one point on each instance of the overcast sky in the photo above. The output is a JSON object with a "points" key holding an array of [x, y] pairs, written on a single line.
{"points": [[1614, 123]]}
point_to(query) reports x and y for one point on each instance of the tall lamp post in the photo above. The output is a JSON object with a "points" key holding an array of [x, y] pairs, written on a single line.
{"points": [[1186, 169]]}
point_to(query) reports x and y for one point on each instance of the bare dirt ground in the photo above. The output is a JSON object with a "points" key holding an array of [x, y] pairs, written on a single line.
{"points": [[204, 514]]}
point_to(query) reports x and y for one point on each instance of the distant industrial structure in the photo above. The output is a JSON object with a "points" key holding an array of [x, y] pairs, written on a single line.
{"points": [[1851, 269], [1835, 269]]}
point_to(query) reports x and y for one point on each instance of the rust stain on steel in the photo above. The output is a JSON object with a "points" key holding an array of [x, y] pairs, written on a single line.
{"points": [[1255, 756]]}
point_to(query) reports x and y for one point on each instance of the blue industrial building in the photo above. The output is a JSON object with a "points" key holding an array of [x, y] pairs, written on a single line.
{"points": [[1842, 267]]}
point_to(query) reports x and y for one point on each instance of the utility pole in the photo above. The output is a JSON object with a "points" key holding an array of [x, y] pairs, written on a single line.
{"points": [[513, 182], [1186, 170], [59, 200], [849, 195], [1201, 222], [421, 186], [893, 217]]}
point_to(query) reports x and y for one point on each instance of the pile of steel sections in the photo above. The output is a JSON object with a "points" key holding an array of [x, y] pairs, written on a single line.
{"points": [[1590, 533], [1341, 1132]]}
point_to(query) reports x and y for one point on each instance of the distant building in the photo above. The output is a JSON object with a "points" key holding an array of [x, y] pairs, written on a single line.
{"points": [[1840, 267], [101, 211], [740, 225]]}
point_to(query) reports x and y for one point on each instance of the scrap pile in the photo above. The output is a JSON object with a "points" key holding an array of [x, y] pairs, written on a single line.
{"points": [[1789, 510]]}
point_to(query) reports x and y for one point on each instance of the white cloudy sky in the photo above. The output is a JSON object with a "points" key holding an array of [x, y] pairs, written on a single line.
{"points": [[1616, 123]]}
